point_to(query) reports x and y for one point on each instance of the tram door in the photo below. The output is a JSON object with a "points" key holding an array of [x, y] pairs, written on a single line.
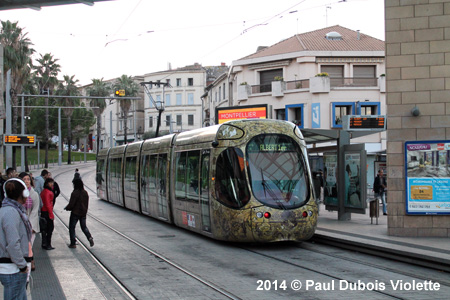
{"points": [[161, 186], [204, 191]]}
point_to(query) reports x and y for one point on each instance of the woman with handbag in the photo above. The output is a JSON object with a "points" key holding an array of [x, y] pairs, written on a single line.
{"points": [[47, 212], [32, 209]]}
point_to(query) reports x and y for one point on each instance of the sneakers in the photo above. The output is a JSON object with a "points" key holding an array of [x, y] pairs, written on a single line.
{"points": [[72, 246], [91, 241]]}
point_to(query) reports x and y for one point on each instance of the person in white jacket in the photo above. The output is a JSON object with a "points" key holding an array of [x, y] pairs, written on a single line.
{"points": [[32, 209]]}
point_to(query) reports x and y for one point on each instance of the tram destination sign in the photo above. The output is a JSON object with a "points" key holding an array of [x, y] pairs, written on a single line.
{"points": [[19, 140], [358, 122]]}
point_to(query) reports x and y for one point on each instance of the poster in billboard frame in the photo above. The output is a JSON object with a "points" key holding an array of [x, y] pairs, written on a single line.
{"points": [[427, 177], [224, 114]]}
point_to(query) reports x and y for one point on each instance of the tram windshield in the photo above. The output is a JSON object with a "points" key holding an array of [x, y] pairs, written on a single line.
{"points": [[277, 171]]}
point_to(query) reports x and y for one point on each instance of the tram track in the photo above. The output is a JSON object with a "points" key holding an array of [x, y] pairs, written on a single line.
{"points": [[314, 270], [377, 266], [157, 255]]}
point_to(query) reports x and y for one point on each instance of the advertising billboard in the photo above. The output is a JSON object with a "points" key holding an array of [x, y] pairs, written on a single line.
{"points": [[427, 173], [224, 114]]}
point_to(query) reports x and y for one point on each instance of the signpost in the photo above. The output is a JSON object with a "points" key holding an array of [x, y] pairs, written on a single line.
{"points": [[369, 122], [19, 140]]}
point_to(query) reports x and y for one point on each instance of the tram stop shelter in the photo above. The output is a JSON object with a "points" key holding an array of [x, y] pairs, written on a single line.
{"points": [[345, 176]]}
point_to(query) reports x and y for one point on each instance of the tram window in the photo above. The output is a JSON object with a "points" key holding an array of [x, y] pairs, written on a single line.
{"points": [[230, 183], [180, 177], [192, 175], [130, 170], [277, 172], [152, 174]]}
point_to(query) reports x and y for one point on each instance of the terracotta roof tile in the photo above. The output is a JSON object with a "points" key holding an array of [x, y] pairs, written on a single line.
{"points": [[316, 41]]}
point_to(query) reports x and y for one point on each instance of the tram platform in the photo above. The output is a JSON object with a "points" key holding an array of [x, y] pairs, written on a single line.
{"points": [[360, 232]]}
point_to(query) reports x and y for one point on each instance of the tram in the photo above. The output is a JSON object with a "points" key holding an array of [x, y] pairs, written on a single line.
{"points": [[241, 181]]}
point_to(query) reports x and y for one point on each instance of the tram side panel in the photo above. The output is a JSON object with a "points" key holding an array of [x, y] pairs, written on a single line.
{"points": [[131, 175], [155, 177], [114, 176], [100, 176], [191, 180]]}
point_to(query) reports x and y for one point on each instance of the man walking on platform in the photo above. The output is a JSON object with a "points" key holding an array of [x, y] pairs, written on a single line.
{"points": [[379, 188]]}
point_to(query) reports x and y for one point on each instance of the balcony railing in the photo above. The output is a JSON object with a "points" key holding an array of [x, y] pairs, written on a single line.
{"points": [[297, 84], [262, 88], [353, 82]]}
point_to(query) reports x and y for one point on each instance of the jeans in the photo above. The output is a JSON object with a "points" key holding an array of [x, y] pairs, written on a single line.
{"points": [[73, 222], [14, 286], [382, 196]]}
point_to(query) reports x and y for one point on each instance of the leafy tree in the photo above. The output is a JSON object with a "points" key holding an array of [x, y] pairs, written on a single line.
{"points": [[131, 88], [68, 88], [101, 89], [17, 58], [45, 80]]}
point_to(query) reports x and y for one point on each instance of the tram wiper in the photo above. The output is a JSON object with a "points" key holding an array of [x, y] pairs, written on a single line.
{"points": [[269, 191]]}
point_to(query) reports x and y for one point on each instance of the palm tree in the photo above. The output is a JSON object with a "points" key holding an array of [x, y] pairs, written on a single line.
{"points": [[46, 72], [68, 88], [131, 88], [101, 89], [17, 58]]}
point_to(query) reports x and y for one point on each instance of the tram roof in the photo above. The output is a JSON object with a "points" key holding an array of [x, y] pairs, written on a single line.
{"points": [[37, 4]]}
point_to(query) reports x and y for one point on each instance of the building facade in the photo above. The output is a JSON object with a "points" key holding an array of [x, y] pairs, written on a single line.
{"points": [[418, 109], [286, 76], [181, 97]]}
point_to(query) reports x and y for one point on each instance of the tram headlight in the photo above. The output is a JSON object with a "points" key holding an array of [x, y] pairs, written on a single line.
{"points": [[267, 215], [259, 214], [304, 214]]}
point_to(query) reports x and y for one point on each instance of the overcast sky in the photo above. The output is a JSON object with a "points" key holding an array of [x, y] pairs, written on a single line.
{"points": [[135, 37]]}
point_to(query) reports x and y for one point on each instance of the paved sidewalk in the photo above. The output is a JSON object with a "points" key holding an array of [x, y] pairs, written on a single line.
{"points": [[360, 231]]}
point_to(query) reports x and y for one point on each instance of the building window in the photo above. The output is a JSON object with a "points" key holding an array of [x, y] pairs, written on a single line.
{"points": [[178, 81], [215, 96], [220, 93], [168, 100], [168, 119], [336, 74], [266, 78], [150, 122], [158, 100], [341, 109], [190, 99], [294, 113], [179, 120], [120, 125], [224, 96], [179, 102], [368, 108], [280, 114], [364, 76], [168, 81], [191, 120], [190, 81]]}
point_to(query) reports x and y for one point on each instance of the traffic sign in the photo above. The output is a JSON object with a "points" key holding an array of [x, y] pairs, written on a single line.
{"points": [[19, 140]]}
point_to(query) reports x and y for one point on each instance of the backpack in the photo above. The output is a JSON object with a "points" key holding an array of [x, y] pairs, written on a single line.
{"points": [[76, 176]]}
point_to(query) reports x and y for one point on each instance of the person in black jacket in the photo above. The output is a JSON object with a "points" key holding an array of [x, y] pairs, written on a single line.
{"points": [[56, 190], [78, 206], [379, 188]]}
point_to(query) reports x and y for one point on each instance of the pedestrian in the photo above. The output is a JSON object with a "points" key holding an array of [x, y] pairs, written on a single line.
{"points": [[32, 210], [47, 213], [379, 188], [10, 173], [78, 207], [15, 236], [56, 189], [40, 180], [76, 175]]}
